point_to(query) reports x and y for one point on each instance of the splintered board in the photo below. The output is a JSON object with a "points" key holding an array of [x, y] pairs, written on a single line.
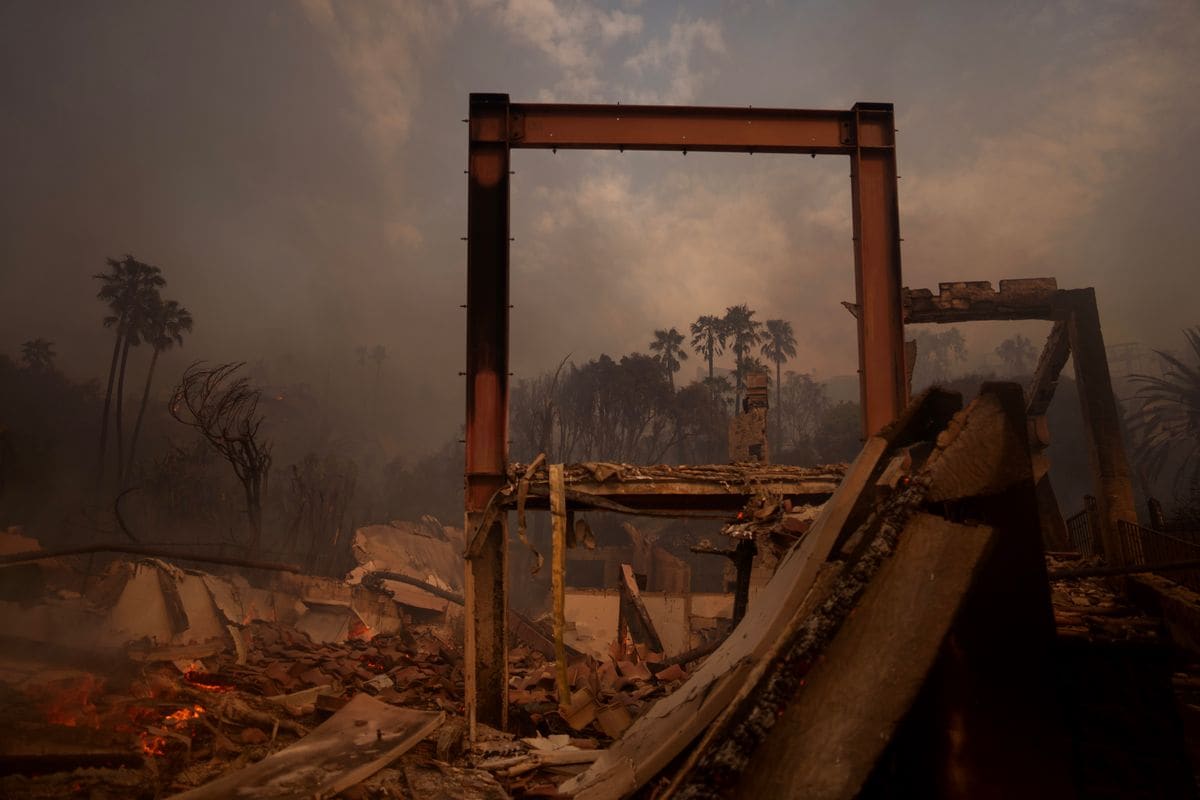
{"points": [[362, 738]]}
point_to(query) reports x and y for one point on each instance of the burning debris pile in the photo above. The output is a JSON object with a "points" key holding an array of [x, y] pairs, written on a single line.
{"points": [[915, 600], [149, 679]]}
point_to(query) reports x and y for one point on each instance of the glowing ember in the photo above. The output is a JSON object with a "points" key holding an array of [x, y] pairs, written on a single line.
{"points": [[153, 744], [207, 682], [360, 630], [70, 702], [184, 715]]}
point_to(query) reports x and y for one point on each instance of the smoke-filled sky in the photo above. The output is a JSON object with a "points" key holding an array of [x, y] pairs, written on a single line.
{"points": [[296, 169]]}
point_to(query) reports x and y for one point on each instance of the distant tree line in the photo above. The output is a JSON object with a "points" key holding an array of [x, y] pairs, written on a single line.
{"points": [[291, 472], [630, 409]]}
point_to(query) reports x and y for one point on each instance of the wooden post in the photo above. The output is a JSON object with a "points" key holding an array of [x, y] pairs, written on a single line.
{"points": [[1101, 421], [558, 577]]}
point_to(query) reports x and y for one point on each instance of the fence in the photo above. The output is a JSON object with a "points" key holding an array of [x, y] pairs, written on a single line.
{"points": [[1146, 547], [1080, 529]]}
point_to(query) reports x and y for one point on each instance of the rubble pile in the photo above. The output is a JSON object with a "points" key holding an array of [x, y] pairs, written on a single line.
{"points": [[606, 696], [153, 726], [1092, 608], [141, 678]]}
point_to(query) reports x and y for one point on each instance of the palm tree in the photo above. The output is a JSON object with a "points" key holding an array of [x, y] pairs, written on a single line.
{"points": [[38, 355], [1168, 421], [668, 346], [708, 339], [778, 346], [167, 323], [745, 332], [127, 288]]}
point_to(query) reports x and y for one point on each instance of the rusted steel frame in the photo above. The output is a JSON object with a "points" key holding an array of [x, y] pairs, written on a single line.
{"points": [[1050, 364], [487, 406], [875, 211], [711, 129], [1101, 421], [148, 552]]}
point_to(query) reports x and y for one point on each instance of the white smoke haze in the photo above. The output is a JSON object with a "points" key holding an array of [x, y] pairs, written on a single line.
{"points": [[296, 170]]}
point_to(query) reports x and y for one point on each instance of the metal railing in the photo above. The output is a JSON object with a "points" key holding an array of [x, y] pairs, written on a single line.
{"points": [[1143, 546], [1080, 529]]}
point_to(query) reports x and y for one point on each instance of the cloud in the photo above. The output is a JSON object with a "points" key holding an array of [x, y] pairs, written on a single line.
{"points": [[1017, 194], [671, 62], [571, 35], [613, 256], [380, 49]]}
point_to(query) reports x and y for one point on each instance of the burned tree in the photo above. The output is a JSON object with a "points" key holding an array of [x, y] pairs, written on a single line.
{"points": [[224, 409], [319, 495]]}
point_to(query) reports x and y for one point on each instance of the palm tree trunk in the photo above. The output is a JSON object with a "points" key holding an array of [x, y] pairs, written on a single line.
{"points": [[137, 425], [778, 403], [120, 407], [112, 372]]}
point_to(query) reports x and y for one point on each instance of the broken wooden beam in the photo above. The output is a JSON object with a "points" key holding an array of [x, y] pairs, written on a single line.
{"points": [[827, 742], [959, 616], [1050, 365], [149, 552], [633, 617], [672, 724], [356, 742], [558, 578], [1102, 422], [969, 301], [708, 490]]}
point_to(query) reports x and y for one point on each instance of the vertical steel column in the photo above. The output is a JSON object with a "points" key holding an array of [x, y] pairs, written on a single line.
{"points": [[876, 215], [1101, 421], [487, 407]]}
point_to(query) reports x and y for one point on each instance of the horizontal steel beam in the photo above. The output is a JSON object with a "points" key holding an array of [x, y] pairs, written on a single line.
{"points": [[713, 129]]}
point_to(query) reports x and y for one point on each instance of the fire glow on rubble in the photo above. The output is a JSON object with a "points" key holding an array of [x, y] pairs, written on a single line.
{"points": [[361, 630], [154, 744], [205, 681], [69, 703]]}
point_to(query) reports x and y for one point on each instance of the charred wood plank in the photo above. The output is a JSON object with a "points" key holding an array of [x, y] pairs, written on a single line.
{"points": [[634, 617], [968, 301], [1050, 365]]}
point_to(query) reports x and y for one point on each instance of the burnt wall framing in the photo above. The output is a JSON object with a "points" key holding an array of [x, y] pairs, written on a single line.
{"points": [[1076, 333], [865, 133]]}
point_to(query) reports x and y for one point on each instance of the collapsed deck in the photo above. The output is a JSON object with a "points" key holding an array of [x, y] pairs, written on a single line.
{"points": [[686, 490]]}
